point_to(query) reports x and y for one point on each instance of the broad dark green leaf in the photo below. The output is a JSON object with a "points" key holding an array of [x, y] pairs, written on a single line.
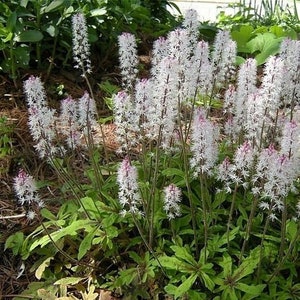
{"points": [[54, 5], [29, 36], [85, 245]]}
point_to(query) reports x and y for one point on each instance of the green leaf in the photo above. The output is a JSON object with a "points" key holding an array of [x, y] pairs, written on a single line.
{"points": [[208, 282], [29, 36], [68, 281], [48, 214], [226, 264], [40, 270], [127, 276], [232, 234], [90, 205], [53, 6], [51, 30], [44, 294], [273, 49], [185, 286], [261, 42], [170, 289], [98, 12], [242, 36], [291, 230], [12, 21], [172, 172], [135, 257], [182, 253], [265, 44], [14, 242], [86, 244], [248, 266], [23, 3], [229, 294], [22, 56], [171, 263], [250, 289], [69, 230]]}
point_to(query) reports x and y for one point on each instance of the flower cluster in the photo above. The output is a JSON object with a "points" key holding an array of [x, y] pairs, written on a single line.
{"points": [[70, 127], [129, 195], [274, 179], [237, 98], [290, 54], [223, 57], [237, 172], [128, 59], [42, 119], [126, 122], [26, 191], [204, 144], [81, 47], [172, 198]]}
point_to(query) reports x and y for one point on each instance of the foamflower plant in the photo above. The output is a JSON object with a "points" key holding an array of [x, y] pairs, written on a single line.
{"points": [[199, 199]]}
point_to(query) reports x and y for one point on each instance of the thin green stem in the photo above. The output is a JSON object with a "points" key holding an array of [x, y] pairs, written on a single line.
{"points": [[100, 125], [204, 210], [263, 240], [13, 62], [189, 190], [148, 246], [248, 227], [231, 212], [153, 188], [52, 58], [283, 229]]}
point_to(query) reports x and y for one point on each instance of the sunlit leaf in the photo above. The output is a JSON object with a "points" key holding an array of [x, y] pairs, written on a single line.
{"points": [[29, 36], [68, 281], [40, 270]]}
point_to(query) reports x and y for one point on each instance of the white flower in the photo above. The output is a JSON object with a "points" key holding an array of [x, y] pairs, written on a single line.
{"points": [[70, 126], [204, 146], [31, 215], [191, 23], [223, 57], [246, 86], [290, 141], [164, 111], [275, 174], [81, 47], [270, 89], [290, 54], [35, 92], [86, 113], [128, 58], [243, 159], [198, 72], [26, 190], [172, 196], [42, 119], [126, 121], [160, 51], [129, 196]]}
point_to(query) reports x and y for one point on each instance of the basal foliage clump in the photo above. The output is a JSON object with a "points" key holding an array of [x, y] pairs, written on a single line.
{"points": [[199, 202]]}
